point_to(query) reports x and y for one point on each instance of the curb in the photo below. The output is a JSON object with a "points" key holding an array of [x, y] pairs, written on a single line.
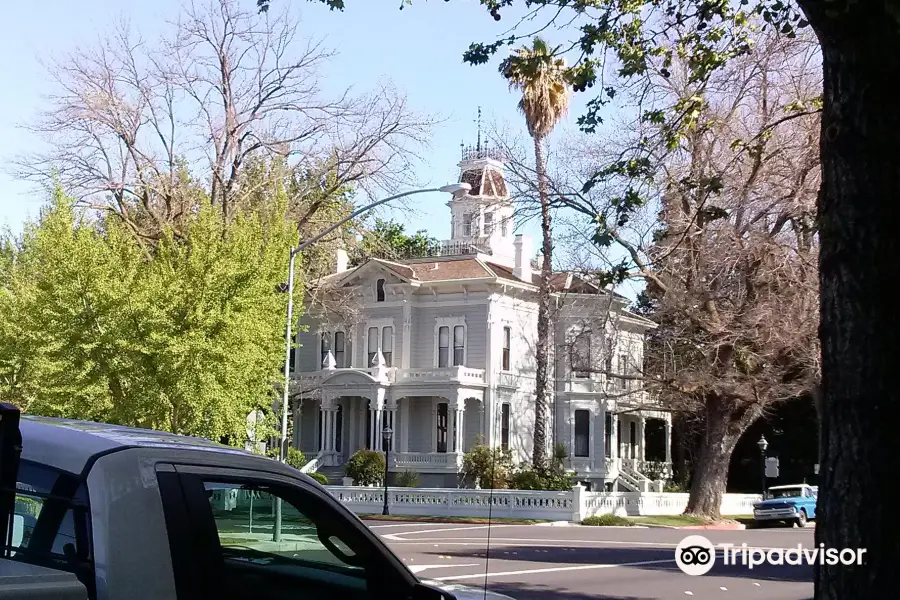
{"points": [[719, 527]]}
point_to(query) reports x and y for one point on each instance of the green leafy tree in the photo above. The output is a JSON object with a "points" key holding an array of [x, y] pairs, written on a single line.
{"points": [[188, 339], [388, 239], [541, 78]]}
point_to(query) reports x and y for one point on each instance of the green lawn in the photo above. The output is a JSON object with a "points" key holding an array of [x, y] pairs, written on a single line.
{"points": [[428, 519]]}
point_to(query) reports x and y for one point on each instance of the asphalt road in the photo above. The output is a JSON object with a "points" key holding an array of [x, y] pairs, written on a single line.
{"points": [[579, 563]]}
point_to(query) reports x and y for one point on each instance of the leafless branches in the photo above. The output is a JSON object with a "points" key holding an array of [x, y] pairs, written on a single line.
{"points": [[722, 234], [134, 121]]}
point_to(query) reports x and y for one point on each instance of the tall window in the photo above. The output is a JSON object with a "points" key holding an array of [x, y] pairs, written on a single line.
{"points": [[387, 344], [582, 433], [443, 347], [488, 223], [607, 434], [467, 225], [339, 349], [623, 370], [459, 345], [504, 426], [442, 427], [326, 346], [633, 432], [372, 345], [503, 227], [507, 347], [379, 290]]}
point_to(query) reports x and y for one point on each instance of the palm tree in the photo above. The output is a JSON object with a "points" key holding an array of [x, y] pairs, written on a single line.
{"points": [[541, 78]]}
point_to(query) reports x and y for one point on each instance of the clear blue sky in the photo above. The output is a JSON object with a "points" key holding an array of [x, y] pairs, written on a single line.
{"points": [[419, 49]]}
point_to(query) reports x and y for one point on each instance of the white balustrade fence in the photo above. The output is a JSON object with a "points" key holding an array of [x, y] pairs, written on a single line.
{"points": [[554, 506], [573, 505]]}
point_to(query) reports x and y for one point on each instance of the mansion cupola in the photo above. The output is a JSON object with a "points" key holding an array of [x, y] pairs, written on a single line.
{"points": [[483, 217]]}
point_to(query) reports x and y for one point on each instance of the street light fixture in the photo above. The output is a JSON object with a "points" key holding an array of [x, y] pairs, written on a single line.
{"points": [[763, 444], [452, 188], [386, 434]]}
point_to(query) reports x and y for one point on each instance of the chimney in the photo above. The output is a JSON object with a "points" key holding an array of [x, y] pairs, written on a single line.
{"points": [[539, 262], [522, 269], [343, 260]]}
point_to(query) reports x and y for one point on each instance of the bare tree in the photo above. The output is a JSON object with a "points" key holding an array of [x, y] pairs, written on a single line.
{"points": [[726, 246], [134, 120]]}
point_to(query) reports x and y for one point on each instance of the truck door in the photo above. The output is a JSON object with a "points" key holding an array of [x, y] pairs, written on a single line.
{"points": [[235, 542]]}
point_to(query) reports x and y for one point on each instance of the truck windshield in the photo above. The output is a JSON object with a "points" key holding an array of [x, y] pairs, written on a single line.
{"points": [[788, 493]]}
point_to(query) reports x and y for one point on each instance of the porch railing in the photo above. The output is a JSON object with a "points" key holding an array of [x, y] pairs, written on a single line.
{"points": [[413, 460]]}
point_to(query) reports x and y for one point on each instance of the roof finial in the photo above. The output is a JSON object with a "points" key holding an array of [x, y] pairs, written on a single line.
{"points": [[478, 147]]}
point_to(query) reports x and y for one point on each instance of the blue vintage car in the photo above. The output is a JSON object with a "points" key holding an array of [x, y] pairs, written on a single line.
{"points": [[790, 503]]}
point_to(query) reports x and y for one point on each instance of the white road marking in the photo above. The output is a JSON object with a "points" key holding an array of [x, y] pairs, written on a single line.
{"points": [[420, 568], [393, 536], [396, 525], [553, 570]]}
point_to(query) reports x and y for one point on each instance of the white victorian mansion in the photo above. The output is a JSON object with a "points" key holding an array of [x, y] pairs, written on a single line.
{"points": [[440, 349]]}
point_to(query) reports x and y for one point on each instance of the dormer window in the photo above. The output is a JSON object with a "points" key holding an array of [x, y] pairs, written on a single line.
{"points": [[379, 290]]}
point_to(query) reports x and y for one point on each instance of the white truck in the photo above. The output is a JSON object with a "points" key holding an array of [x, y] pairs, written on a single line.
{"points": [[103, 512]]}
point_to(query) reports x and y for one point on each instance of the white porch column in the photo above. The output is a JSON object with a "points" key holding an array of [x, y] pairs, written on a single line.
{"points": [[376, 406], [459, 429], [329, 410], [390, 420], [332, 442], [668, 440]]}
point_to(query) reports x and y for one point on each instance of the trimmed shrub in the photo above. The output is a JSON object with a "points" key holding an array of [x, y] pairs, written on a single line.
{"points": [[487, 468], [607, 521], [321, 478], [366, 467], [408, 479], [528, 478], [295, 458]]}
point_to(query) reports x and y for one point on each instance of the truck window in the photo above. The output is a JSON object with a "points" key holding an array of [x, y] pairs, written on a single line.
{"points": [[312, 558], [51, 522]]}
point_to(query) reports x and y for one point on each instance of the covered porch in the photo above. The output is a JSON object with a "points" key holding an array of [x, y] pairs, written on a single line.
{"points": [[432, 429]]}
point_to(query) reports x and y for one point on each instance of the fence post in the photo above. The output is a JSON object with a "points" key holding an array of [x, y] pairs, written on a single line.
{"points": [[579, 503]]}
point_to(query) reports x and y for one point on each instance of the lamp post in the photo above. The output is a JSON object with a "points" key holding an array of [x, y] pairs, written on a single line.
{"points": [[386, 434], [288, 287], [763, 444]]}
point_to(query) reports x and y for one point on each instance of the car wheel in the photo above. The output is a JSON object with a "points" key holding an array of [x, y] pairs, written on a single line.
{"points": [[801, 520]]}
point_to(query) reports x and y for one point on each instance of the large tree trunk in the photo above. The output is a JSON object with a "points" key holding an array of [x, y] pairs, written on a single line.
{"points": [[859, 233], [542, 351], [724, 427]]}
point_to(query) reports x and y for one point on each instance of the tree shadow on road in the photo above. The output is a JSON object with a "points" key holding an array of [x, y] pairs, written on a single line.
{"points": [[534, 591], [653, 559]]}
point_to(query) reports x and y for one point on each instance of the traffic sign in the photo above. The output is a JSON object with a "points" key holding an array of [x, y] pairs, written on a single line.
{"points": [[772, 467]]}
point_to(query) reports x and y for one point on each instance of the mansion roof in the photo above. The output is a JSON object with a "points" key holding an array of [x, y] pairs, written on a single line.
{"points": [[460, 268]]}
